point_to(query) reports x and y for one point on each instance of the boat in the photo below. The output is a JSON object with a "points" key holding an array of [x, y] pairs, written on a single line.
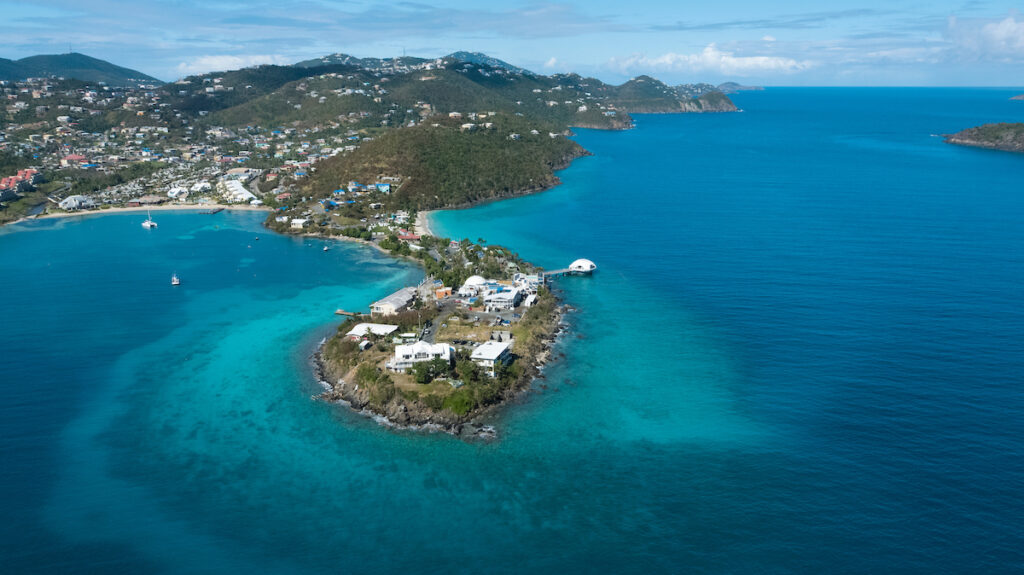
{"points": [[326, 248], [149, 223], [175, 280]]}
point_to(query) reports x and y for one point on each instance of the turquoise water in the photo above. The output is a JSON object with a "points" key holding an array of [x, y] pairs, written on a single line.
{"points": [[802, 352]]}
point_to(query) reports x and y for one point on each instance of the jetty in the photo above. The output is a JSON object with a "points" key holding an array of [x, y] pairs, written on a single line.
{"points": [[214, 211], [346, 313]]}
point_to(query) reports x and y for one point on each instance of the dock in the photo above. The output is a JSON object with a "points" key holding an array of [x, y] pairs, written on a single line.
{"points": [[346, 313], [555, 273], [214, 211]]}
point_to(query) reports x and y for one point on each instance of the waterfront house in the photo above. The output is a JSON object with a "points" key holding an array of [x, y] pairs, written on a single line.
{"points": [[361, 330], [491, 354], [394, 303], [408, 355]]}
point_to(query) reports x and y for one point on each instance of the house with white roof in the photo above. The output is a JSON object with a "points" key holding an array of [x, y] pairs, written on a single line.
{"points": [[395, 302], [503, 300], [361, 330], [491, 354], [408, 355]]}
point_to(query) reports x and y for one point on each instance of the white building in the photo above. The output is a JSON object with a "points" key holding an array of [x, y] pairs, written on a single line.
{"points": [[77, 203], [394, 303], [582, 266], [473, 286], [503, 300], [298, 223], [362, 329], [408, 355], [234, 191], [491, 354]]}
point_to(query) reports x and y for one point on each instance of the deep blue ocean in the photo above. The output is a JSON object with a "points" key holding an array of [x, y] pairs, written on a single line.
{"points": [[803, 352]]}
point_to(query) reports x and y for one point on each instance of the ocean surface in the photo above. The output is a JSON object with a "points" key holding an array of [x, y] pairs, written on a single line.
{"points": [[803, 352]]}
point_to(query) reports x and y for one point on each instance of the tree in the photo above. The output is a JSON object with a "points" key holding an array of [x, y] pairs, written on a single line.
{"points": [[426, 371]]}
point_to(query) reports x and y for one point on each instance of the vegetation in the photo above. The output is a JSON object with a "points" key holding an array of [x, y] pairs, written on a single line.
{"points": [[445, 166], [1008, 137]]}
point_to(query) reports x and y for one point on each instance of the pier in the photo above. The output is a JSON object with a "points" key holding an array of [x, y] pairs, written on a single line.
{"points": [[346, 313]]}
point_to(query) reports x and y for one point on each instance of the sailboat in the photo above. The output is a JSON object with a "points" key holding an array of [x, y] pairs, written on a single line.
{"points": [[149, 223], [174, 280]]}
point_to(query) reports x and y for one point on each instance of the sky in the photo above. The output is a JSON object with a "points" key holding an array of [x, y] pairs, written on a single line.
{"points": [[778, 43]]}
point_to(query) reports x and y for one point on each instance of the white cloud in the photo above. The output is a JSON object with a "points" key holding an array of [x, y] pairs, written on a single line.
{"points": [[988, 39], [768, 39], [551, 63], [711, 59], [216, 63]]}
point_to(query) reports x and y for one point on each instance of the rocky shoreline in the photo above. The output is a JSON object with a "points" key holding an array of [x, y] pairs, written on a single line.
{"points": [[400, 413], [1007, 137]]}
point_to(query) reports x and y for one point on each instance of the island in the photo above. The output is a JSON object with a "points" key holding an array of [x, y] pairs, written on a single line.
{"points": [[1018, 97], [356, 149], [1004, 136]]}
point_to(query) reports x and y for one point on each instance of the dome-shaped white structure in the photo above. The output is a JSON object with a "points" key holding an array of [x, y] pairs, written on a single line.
{"points": [[582, 266], [475, 281]]}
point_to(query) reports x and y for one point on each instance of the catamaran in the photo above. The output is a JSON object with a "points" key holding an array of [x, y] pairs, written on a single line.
{"points": [[149, 223]]}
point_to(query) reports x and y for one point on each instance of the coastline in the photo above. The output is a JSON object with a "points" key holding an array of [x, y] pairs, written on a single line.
{"points": [[161, 208]]}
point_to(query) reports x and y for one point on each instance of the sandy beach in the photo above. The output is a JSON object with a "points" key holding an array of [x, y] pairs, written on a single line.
{"points": [[163, 208], [422, 227]]}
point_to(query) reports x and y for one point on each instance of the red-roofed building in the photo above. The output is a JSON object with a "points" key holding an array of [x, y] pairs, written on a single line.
{"points": [[72, 160]]}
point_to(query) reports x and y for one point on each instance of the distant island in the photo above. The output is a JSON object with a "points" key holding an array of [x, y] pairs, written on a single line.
{"points": [[1018, 97], [1006, 137], [348, 148]]}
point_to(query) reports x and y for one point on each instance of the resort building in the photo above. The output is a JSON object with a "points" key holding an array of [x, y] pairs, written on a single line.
{"points": [[395, 302], [491, 354], [408, 355]]}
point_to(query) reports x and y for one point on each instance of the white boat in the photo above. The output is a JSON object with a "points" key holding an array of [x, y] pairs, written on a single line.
{"points": [[174, 280], [149, 223], [326, 248]]}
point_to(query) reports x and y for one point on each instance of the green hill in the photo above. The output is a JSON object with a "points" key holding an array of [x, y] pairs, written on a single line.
{"points": [[74, 65], [444, 165]]}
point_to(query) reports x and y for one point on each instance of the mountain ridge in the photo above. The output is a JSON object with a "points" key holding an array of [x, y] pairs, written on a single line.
{"points": [[72, 65]]}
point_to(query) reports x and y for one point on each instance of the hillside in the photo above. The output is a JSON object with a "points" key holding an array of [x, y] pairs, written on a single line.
{"points": [[485, 60], [1006, 137], [371, 64], [444, 165], [74, 65]]}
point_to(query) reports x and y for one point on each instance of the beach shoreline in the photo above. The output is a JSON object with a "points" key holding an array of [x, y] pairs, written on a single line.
{"points": [[422, 226], [161, 208]]}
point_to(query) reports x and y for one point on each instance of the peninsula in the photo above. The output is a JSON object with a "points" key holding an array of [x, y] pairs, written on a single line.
{"points": [[354, 149], [1004, 136]]}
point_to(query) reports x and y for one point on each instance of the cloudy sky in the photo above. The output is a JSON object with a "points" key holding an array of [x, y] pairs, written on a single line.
{"points": [[779, 43]]}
